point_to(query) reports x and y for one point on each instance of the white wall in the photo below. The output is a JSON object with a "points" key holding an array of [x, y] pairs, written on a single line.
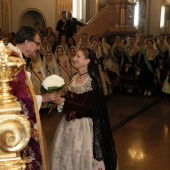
{"points": [[47, 7]]}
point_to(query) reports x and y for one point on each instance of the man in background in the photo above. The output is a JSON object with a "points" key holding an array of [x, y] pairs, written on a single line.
{"points": [[64, 26], [74, 23]]}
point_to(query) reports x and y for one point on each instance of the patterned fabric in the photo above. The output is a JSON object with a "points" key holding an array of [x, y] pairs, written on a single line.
{"points": [[31, 153], [73, 149], [80, 88]]}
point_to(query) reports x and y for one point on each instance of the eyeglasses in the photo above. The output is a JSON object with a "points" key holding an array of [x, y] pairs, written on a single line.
{"points": [[37, 43]]}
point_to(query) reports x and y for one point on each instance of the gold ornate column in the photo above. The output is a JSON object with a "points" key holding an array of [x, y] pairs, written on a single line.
{"points": [[123, 17], [14, 127]]}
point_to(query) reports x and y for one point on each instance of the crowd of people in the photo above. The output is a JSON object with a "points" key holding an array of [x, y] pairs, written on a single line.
{"points": [[144, 63], [141, 63], [91, 68], [82, 72]]}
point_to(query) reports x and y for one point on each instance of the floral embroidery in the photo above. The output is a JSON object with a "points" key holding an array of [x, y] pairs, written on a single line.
{"points": [[34, 134], [28, 151], [76, 150], [24, 109], [80, 88]]}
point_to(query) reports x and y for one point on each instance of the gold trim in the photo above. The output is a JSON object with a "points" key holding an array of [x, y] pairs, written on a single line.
{"points": [[44, 155]]}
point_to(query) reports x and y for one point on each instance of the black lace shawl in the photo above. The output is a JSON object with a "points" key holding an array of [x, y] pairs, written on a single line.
{"points": [[103, 143]]}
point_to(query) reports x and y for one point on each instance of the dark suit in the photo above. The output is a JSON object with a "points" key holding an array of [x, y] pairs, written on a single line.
{"points": [[74, 22], [67, 27]]}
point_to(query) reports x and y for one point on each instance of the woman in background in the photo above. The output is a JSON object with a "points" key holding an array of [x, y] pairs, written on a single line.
{"points": [[118, 50], [71, 54], [148, 67], [128, 73], [63, 43], [71, 42], [163, 56], [64, 65], [107, 88], [44, 46], [37, 73], [50, 65], [111, 64], [84, 39]]}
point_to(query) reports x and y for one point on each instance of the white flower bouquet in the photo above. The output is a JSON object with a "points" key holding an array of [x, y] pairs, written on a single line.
{"points": [[51, 84]]}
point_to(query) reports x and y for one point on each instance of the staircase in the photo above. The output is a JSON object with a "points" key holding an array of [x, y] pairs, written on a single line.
{"points": [[112, 19], [99, 24]]}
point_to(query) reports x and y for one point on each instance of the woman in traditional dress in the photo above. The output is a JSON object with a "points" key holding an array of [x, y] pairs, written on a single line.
{"points": [[117, 50], [49, 31], [128, 77], [98, 39], [141, 42], [163, 56], [148, 67], [81, 46], [71, 54], [92, 39], [84, 39], [63, 65], [44, 46], [50, 65], [103, 74], [83, 139], [71, 42], [63, 43], [37, 73], [111, 64]]}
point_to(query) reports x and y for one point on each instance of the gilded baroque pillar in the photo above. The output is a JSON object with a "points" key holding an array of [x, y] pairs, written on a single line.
{"points": [[14, 128], [5, 15]]}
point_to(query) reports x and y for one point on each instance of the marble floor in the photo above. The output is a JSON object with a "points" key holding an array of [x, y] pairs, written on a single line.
{"points": [[140, 127]]}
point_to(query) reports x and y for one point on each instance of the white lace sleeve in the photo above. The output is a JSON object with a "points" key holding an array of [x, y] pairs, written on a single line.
{"points": [[60, 106]]}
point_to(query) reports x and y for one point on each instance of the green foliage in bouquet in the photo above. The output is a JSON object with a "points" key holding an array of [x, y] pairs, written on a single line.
{"points": [[52, 83], [51, 89]]}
